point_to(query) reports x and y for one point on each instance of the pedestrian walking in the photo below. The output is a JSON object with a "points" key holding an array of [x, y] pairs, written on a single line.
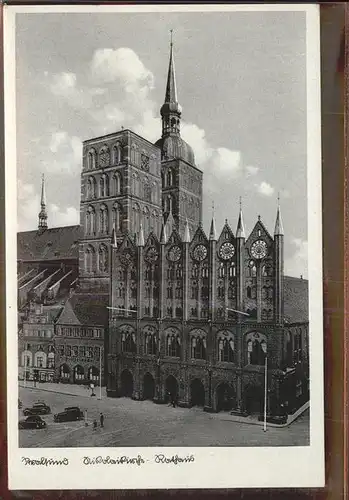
{"points": [[101, 419], [169, 398], [95, 424], [174, 401]]}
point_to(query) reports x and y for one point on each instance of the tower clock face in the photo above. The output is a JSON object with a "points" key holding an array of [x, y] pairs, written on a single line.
{"points": [[259, 249], [152, 254], [200, 252], [174, 254], [227, 251]]}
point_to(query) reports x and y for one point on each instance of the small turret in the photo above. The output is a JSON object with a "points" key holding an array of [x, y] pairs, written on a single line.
{"points": [[240, 231], [279, 228]]}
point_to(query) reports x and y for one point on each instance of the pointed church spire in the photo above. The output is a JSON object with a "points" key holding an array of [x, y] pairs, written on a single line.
{"points": [[171, 87], [186, 237], [141, 237], [240, 231], [171, 110], [43, 213], [279, 228], [213, 234]]}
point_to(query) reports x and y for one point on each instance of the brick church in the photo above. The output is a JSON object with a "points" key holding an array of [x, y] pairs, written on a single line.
{"points": [[192, 317]]}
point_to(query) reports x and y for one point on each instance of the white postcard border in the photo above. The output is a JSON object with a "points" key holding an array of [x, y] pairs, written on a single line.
{"points": [[223, 467]]}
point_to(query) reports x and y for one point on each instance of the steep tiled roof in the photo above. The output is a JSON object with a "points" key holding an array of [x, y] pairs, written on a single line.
{"points": [[85, 309], [295, 299], [56, 243]]}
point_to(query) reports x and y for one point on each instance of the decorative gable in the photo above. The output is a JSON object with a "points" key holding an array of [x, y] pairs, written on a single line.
{"points": [[68, 316], [199, 237]]}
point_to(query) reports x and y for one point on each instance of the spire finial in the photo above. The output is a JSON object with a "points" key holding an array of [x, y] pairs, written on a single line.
{"points": [[43, 213], [171, 35], [240, 203], [279, 228], [213, 235], [240, 231]]}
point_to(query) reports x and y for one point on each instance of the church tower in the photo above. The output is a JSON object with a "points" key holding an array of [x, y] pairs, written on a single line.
{"points": [[181, 179], [43, 214]]}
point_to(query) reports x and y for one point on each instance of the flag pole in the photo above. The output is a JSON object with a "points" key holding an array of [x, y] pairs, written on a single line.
{"points": [[265, 392], [100, 372]]}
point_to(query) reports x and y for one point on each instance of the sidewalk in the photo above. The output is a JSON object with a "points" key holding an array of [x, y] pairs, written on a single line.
{"points": [[254, 419], [68, 389]]}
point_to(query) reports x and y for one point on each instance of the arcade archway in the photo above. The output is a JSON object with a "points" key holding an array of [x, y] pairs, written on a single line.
{"points": [[171, 387], [197, 393], [148, 387], [224, 397], [126, 388]]}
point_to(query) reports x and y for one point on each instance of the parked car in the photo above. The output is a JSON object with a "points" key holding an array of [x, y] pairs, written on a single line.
{"points": [[69, 414], [32, 422], [39, 408]]}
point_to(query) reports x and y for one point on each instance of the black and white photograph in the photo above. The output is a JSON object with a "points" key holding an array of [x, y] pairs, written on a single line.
{"points": [[163, 182]]}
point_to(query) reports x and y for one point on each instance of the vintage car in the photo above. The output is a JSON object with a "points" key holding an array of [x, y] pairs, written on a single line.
{"points": [[39, 408], [69, 414], [32, 422]]}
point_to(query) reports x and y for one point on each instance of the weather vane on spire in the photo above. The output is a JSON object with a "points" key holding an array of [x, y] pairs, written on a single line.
{"points": [[278, 197], [171, 31], [240, 202], [212, 208]]}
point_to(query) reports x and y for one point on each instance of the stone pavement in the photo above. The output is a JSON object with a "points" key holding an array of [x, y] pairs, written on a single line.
{"points": [[85, 391]]}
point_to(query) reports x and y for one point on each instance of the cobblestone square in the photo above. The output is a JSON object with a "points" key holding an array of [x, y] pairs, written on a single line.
{"points": [[143, 423]]}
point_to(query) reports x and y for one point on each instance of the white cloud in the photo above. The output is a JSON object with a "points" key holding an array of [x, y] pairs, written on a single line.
{"points": [[66, 153], [251, 170], [265, 189], [63, 84], [28, 206], [108, 65], [297, 264], [67, 217]]}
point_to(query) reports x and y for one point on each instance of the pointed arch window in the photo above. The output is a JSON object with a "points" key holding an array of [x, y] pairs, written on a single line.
{"points": [[173, 344], [252, 270], [117, 217], [103, 259], [221, 270], [147, 192], [135, 183], [116, 184], [232, 271], [169, 178], [226, 347], [104, 186], [89, 259], [91, 188], [150, 340], [256, 344], [117, 154], [91, 159], [90, 220], [103, 220], [195, 271], [104, 157], [198, 344]]}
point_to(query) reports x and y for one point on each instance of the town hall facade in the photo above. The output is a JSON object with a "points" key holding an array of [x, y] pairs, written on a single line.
{"points": [[192, 317]]}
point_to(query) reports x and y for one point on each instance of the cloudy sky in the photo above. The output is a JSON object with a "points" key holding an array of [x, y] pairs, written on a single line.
{"points": [[241, 81]]}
